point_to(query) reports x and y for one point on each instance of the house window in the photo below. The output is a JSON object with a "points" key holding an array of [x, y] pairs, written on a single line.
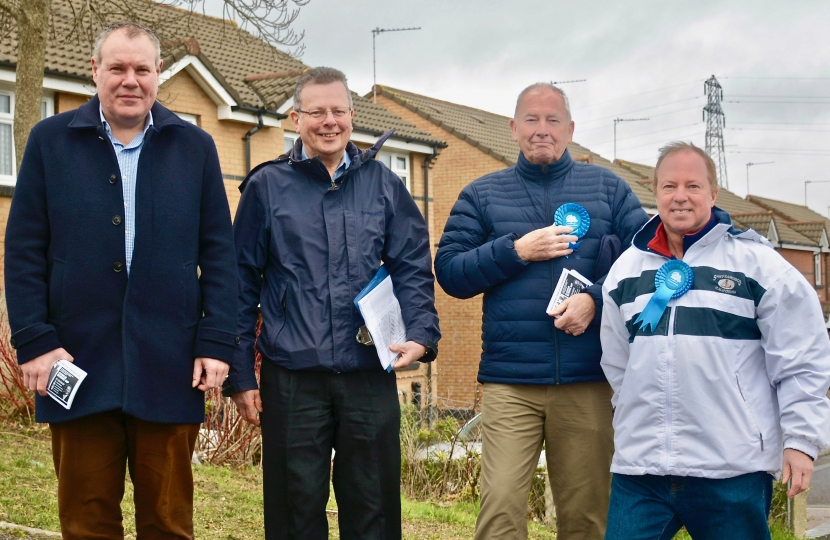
{"points": [[189, 118], [398, 164], [6, 138], [290, 139], [8, 172], [817, 262]]}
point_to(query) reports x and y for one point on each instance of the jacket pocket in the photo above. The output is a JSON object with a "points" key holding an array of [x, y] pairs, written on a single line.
{"points": [[192, 308], [56, 291], [749, 411]]}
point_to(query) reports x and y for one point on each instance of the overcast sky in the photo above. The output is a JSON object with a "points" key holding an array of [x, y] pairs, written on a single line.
{"points": [[641, 59]]}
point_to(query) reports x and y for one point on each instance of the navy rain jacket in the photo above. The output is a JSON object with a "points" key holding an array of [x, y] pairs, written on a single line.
{"points": [[476, 255], [306, 246], [66, 281]]}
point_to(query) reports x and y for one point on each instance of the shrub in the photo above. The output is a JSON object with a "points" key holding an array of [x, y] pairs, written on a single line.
{"points": [[17, 403]]}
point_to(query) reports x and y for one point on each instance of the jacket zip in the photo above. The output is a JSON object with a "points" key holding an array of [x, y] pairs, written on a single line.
{"points": [[669, 382], [552, 267]]}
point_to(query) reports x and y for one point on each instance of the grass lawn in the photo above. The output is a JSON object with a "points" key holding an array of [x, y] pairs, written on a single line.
{"points": [[228, 502]]}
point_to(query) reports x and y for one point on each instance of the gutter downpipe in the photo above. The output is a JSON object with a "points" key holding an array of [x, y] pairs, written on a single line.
{"points": [[427, 161], [247, 139]]}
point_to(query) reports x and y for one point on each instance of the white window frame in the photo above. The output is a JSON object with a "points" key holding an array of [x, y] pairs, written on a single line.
{"points": [[405, 173], [8, 118], [189, 118], [817, 265], [289, 136]]}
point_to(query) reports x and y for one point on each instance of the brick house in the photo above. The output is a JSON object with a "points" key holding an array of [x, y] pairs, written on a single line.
{"points": [[480, 142], [795, 231], [232, 85]]}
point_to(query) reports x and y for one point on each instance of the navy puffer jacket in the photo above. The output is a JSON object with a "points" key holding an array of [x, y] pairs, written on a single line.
{"points": [[476, 255]]}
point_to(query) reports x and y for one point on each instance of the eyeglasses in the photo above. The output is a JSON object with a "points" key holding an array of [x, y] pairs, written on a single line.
{"points": [[320, 114]]}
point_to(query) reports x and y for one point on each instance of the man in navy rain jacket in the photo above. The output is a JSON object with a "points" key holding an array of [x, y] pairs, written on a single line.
{"points": [[542, 378], [311, 230], [119, 256]]}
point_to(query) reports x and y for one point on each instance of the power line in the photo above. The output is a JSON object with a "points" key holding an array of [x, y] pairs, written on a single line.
{"points": [[767, 151], [780, 130], [636, 95], [783, 149], [650, 133], [778, 97], [778, 124], [782, 102], [784, 78], [645, 109], [652, 143]]}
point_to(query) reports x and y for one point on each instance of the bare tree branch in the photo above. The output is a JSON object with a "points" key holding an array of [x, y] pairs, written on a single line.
{"points": [[10, 9], [79, 21]]}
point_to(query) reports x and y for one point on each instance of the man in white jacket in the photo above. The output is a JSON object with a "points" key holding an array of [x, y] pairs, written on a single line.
{"points": [[716, 349]]}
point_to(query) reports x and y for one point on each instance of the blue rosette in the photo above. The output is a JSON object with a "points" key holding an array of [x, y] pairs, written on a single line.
{"points": [[573, 215], [673, 280]]}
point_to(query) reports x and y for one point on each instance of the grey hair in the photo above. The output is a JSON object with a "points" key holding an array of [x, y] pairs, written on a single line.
{"points": [[320, 75], [133, 30], [544, 86], [680, 146]]}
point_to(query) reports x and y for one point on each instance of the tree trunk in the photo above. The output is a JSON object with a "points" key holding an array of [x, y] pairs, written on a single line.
{"points": [[32, 26]]}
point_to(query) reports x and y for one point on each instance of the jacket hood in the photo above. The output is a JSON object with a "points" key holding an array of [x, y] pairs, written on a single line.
{"points": [[314, 166], [550, 171]]}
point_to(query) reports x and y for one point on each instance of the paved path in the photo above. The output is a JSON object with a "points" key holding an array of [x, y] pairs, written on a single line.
{"points": [[820, 494]]}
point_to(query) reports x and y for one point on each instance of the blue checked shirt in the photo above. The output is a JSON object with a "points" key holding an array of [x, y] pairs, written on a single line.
{"points": [[128, 163]]}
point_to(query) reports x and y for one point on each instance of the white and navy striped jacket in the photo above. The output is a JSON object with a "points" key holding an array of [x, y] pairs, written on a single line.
{"points": [[737, 369]]}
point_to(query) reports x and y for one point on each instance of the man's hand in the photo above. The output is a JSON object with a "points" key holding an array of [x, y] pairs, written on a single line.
{"points": [[36, 371], [209, 373], [545, 243], [577, 313], [799, 467], [249, 405], [408, 353]]}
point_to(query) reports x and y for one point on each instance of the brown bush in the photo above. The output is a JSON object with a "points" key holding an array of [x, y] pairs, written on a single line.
{"points": [[17, 404], [225, 438]]}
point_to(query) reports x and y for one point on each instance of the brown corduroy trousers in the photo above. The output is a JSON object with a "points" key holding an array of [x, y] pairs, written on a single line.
{"points": [[91, 456]]}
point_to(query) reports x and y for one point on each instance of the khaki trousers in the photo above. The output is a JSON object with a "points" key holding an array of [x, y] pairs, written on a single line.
{"points": [[574, 423], [91, 455]]}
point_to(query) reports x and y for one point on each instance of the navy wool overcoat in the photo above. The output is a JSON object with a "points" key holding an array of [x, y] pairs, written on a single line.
{"points": [[66, 278]]}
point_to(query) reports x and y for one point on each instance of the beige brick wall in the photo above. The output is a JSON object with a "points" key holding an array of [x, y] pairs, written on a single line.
{"points": [[68, 102], [5, 204], [455, 370], [181, 94]]}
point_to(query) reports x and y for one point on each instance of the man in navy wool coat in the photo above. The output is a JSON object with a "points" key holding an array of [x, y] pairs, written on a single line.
{"points": [[119, 258]]}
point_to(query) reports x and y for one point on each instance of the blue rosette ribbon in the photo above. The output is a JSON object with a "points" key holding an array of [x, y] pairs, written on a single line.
{"points": [[673, 280], [575, 216]]}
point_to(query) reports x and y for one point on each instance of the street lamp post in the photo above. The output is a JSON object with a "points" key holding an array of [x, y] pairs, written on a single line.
{"points": [[748, 165], [375, 32], [617, 121]]}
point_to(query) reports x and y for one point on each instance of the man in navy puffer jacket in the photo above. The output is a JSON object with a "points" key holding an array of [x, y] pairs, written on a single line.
{"points": [[542, 377]]}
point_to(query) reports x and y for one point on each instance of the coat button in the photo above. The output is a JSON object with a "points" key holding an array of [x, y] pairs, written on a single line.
{"points": [[116, 220], [238, 340], [117, 267], [13, 343], [113, 179]]}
